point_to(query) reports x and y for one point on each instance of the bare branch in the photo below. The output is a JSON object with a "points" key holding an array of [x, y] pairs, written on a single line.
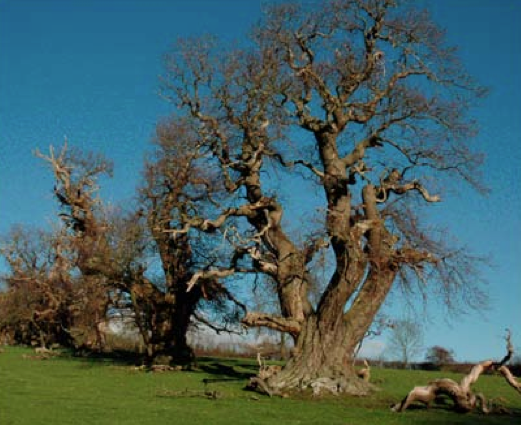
{"points": [[212, 325], [387, 187], [273, 322], [208, 274], [291, 164], [514, 383], [510, 350]]}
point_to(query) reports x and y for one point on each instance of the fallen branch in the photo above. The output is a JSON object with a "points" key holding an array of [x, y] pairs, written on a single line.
{"points": [[514, 383], [464, 400], [461, 394], [259, 382], [210, 395]]}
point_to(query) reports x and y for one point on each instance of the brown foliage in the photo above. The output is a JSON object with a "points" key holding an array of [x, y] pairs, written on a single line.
{"points": [[43, 302], [439, 355]]}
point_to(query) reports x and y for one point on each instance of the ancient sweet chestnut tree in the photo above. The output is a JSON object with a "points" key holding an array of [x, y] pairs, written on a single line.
{"points": [[364, 98], [112, 252]]}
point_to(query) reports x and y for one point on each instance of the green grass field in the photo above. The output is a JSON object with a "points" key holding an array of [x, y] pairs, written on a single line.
{"points": [[66, 390]]}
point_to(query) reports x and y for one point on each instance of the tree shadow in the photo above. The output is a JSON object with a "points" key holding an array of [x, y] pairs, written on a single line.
{"points": [[440, 415], [223, 372], [114, 357], [475, 419]]}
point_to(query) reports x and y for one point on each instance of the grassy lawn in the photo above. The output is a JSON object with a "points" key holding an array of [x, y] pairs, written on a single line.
{"points": [[66, 390]]}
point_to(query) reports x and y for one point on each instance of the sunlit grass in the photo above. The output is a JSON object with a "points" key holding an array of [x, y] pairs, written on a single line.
{"points": [[80, 391]]}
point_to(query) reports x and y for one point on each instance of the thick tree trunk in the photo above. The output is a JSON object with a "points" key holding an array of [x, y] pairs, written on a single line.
{"points": [[169, 349], [322, 361], [325, 340], [167, 343], [177, 348], [163, 318]]}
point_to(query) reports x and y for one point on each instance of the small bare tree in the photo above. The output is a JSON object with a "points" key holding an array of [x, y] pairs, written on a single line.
{"points": [[405, 340]]}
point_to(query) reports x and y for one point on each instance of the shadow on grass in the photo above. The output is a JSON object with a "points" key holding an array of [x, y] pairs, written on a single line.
{"points": [[443, 414], [220, 369], [115, 357], [224, 371], [474, 419]]}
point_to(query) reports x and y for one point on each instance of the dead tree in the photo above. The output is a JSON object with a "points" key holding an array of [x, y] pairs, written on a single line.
{"points": [[461, 393]]}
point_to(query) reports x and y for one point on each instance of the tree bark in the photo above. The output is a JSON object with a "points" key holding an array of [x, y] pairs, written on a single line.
{"points": [[163, 323], [321, 360]]}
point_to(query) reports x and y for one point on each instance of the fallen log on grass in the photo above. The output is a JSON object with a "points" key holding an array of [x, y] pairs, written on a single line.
{"points": [[511, 379], [460, 393]]}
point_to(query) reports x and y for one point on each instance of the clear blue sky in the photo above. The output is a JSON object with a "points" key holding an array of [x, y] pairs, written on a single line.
{"points": [[88, 70]]}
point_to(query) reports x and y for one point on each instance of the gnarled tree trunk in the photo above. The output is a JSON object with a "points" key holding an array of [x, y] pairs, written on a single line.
{"points": [[163, 320], [321, 360]]}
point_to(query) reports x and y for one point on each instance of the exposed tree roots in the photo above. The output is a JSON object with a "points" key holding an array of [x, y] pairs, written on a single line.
{"points": [[274, 381], [318, 386]]}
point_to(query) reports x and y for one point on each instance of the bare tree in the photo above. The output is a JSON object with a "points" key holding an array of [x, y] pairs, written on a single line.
{"points": [[405, 340], [367, 100], [114, 253]]}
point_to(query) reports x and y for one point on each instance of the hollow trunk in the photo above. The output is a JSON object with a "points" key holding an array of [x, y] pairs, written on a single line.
{"points": [[322, 361]]}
